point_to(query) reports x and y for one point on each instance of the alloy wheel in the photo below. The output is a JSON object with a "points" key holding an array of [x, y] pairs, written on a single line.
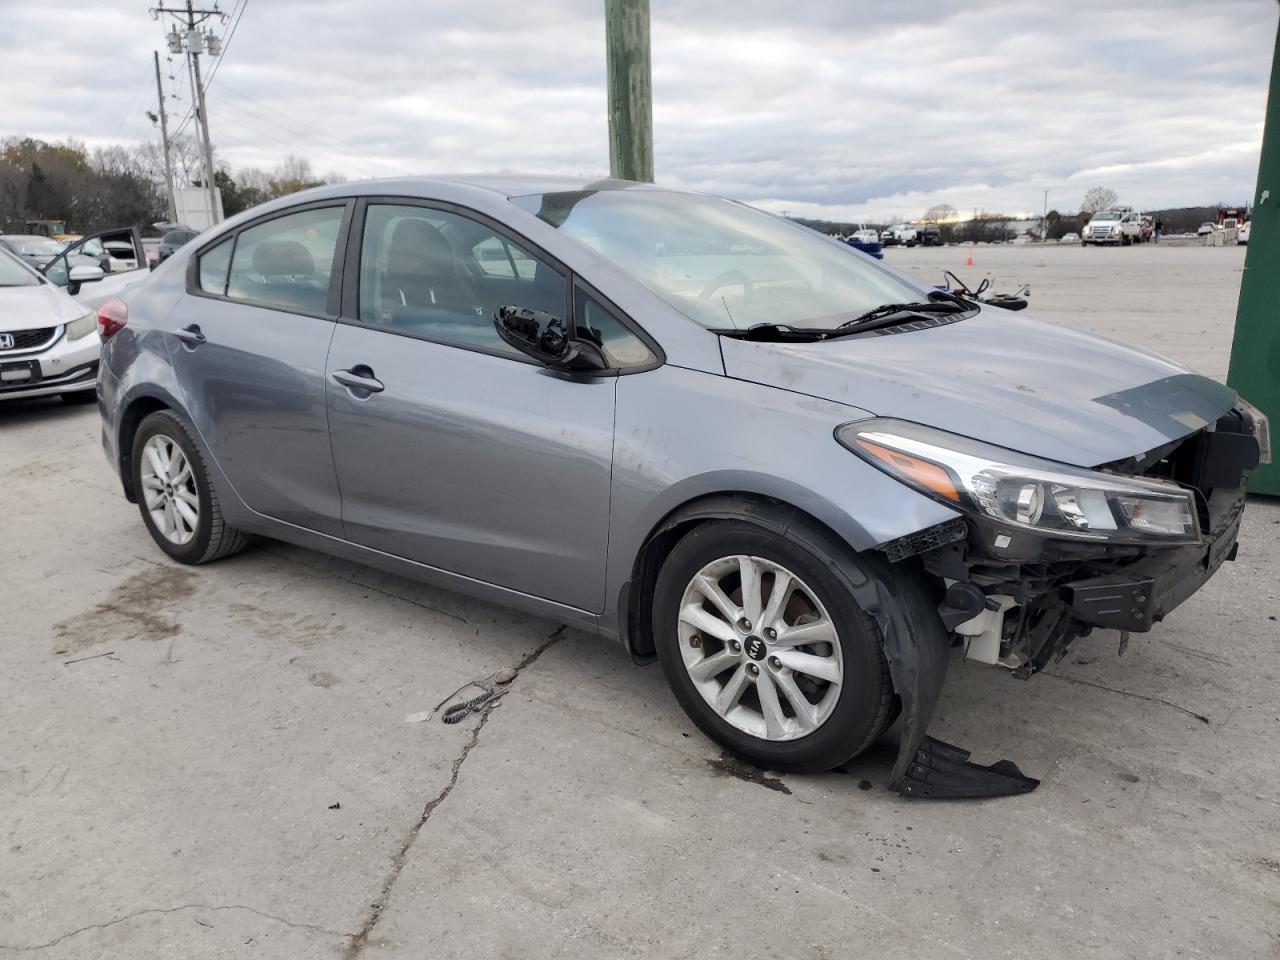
{"points": [[169, 490], [760, 647]]}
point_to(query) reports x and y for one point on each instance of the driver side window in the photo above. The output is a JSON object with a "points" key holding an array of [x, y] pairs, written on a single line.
{"points": [[441, 276]]}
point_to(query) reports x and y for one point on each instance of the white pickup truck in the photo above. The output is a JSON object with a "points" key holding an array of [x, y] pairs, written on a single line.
{"points": [[1119, 225]]}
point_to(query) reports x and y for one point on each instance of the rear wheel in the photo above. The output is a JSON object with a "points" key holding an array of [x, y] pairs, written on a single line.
{"points": [[177, 502], [767, 650]]}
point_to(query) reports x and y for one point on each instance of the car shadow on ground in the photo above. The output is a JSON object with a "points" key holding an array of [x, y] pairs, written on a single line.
{"points": [[40, 410]]}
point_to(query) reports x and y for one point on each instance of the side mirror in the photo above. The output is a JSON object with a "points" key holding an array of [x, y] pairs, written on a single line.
{"points": [[547, 339], [85, 274]]}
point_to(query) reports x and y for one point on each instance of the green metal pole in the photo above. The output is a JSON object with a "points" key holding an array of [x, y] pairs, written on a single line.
{"points": [[626, 31], [1255, 352]]}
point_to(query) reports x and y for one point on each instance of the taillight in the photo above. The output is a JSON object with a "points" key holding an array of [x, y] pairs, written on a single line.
{"points": [[112, 316]]}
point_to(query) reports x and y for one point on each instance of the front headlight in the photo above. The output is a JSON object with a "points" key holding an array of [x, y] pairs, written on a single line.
{"points": [[1024, 492], [82, 327]]}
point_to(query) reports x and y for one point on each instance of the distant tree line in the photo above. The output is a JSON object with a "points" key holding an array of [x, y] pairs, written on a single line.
{"points": [[124, 186]]}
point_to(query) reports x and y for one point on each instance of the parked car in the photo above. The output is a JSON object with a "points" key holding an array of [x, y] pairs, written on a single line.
{"points": [[929, 235], [865, 234], [1242, 232], [1206, 228], [39, 251], [1072, 237], [1120, 226], [900, 233], [48, 342], [171, 242], [682, 424]]}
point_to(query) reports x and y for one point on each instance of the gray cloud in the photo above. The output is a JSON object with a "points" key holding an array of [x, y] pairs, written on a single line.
{"points": [[846, 109]]}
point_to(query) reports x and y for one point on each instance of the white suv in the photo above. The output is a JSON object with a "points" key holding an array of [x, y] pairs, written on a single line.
{"points": [[903, 233]]}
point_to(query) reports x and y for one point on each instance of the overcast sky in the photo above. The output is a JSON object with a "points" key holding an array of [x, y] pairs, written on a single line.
{"points": [[855, 109]]}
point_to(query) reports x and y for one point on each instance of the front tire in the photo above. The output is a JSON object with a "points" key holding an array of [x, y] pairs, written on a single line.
{"points": [[766, 649], [178, 504]]}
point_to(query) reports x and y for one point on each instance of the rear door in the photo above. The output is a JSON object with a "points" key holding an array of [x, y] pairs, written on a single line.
{"points": [[451, 448], [248, 343]]}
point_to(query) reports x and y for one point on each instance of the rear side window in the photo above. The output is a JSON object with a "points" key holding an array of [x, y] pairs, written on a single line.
{"points": [[213, 268], [287, 262]]}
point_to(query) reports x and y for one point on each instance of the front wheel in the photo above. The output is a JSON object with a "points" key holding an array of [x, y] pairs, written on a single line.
{"points": [[767, 650], [179, 506]]}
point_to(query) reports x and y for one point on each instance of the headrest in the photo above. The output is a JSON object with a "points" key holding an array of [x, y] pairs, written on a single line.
{"points": [[274, 258], [417, 245]]}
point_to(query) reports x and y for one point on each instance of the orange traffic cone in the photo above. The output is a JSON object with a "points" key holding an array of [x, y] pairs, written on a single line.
{"points": [[968, 261]]}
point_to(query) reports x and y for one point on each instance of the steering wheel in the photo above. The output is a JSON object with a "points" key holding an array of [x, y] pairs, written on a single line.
{"points": [[727, 279]]}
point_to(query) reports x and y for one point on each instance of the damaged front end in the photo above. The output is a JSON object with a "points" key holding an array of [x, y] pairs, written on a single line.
{"points": [[1043, 553]]}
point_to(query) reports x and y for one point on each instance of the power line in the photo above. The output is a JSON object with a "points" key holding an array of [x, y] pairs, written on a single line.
{"points": [[129, 114], [302, 129], [226, 43]]}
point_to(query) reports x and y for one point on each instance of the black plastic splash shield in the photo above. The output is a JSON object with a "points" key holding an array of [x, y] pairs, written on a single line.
{"points": [[940, 770]]}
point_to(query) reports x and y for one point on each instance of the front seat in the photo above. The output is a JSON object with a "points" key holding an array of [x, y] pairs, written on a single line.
{"points": [[423, 273]]}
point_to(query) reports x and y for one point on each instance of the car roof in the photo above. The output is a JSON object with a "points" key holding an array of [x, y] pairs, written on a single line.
{"points": [[506, 185]]}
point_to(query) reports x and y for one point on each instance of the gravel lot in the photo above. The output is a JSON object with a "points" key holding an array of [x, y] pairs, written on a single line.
{"points": [[216, 763]]}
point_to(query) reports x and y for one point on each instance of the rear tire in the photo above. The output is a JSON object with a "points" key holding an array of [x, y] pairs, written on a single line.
{"points": [[740, 681], [178, 504]]}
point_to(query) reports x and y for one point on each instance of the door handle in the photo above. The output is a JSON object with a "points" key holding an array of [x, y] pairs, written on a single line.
{"points": [[191, 335], [359, 377]]}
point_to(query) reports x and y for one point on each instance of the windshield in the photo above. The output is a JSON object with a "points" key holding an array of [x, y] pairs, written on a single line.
{"points": [[15, 274], [720, 263], [1107, 215]]}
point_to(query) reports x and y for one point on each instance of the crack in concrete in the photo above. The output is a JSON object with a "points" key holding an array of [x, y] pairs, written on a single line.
{"points": [[360, 940], [156, 911], [1128, 693]]}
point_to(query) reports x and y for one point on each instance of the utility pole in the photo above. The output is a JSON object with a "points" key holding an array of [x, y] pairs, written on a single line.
{"points": [[194, 42], [626, 34], [1044, 219], [164, 137], [1255, 351]]}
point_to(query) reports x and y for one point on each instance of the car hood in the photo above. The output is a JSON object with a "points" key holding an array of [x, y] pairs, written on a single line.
{"points": [[22, 308], [1002, 378]]}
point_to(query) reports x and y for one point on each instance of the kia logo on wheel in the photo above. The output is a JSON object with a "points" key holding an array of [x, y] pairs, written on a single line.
{"points": [[6, 341]]}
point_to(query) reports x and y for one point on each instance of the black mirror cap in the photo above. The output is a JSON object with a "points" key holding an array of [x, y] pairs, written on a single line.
{"points": [[546, 338]]}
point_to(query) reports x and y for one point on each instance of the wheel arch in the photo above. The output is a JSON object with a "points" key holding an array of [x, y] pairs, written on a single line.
{"points": [[635, 597], [131, 417]]}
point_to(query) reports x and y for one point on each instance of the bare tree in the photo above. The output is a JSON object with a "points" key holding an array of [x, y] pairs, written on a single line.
{"points": [[940, 213], [1098, 198]]}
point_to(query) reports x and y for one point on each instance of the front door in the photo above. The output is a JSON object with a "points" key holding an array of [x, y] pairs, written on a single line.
{"points": [[451, 448], [249, 351]]}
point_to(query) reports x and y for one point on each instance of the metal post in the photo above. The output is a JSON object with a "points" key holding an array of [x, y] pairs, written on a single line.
{"points": [[626, 28], [164, 137], [1255, 352], [204, 123]]}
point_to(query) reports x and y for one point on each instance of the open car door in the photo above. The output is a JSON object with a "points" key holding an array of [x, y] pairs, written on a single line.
{"points": [[122, 259]]}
